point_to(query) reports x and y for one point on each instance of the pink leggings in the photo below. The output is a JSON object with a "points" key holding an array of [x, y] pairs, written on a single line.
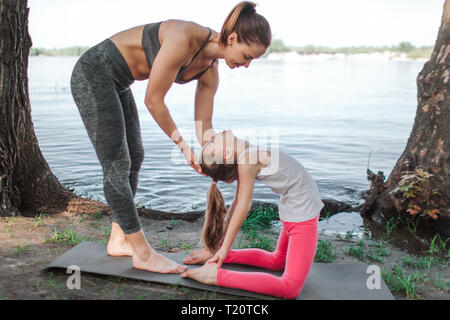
{"points": [[295, 252]]}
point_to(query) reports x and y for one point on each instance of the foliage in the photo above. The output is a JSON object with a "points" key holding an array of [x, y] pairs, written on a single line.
{"points": [[414, 186], [325, 252], [70, 51], [257, 221], [67, 237], [277, 45]]}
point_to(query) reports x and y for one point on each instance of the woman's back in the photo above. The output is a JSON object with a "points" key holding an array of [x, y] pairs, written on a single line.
{"points": [[140, 45]]}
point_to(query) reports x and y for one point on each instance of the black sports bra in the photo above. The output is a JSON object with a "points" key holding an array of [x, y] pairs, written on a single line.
{"points": [[151, 46]]}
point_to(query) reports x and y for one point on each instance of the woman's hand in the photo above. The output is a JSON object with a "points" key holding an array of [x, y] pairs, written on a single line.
{"points": [[190, 157], [219, 257]]}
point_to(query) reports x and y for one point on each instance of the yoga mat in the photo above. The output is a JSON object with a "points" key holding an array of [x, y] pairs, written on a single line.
{"points": [[326, 281]]}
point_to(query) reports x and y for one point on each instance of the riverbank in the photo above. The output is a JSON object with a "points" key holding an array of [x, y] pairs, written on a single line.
{"points": [[374, 56], [29, 244]]}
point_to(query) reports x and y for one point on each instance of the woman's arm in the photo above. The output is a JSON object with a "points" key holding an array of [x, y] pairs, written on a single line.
{"points": [[204, 103], [166, 65], [171, 56]]}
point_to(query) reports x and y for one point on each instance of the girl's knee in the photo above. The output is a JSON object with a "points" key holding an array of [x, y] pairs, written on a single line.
{"points": [[292, 289], [278, 261]]}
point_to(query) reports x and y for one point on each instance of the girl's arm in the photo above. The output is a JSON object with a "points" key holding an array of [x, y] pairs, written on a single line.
{"points": [[247, 175], [204, 103], [231, 210]]}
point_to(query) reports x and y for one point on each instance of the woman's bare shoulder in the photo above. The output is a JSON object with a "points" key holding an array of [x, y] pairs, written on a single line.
{"points": [[181, 30]]}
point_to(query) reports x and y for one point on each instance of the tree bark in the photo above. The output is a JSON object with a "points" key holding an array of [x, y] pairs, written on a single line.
{"points": [[26, 181], [419, 184]]}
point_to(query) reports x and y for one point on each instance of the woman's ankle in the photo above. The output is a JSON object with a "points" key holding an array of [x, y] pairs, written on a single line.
{"points": [[139, 244]]}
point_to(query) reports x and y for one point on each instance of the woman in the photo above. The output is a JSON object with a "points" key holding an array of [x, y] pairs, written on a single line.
{"points": [[164, 53]]}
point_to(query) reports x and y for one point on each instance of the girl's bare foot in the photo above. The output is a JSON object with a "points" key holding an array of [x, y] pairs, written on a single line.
{"points": [[155, 262], [118, 245], [206, 274], [198, 257]]}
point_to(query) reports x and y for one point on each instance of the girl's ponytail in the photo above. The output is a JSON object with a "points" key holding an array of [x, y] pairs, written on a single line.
{"points": [[214, 218]]}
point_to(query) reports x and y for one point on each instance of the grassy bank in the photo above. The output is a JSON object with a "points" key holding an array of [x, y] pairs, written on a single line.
{"points": [[29, 244], [422, 275]]}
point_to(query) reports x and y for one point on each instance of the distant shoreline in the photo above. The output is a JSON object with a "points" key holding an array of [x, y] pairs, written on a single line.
{"points": [[374, 56], [278, 51]]}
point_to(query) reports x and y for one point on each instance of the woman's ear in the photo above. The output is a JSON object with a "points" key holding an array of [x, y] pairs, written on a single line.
{"points": [[232, 38]]}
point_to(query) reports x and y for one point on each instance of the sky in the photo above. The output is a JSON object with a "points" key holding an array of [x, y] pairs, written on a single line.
{"points": [[333, 23]]}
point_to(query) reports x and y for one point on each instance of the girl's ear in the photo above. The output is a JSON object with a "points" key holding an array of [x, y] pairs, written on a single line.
{"points": [[228, 156]]}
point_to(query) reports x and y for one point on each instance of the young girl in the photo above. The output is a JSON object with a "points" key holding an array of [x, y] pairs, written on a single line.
{"points": [[226, 158]]}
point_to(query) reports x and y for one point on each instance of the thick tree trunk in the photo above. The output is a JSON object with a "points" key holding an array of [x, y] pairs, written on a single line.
{"points": [[419, 184], [26, 181]]}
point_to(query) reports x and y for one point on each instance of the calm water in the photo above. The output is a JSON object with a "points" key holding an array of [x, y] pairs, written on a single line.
{"points": [[330, 115]]}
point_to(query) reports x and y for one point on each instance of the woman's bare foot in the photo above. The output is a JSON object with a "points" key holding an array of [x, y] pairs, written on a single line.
{"points": [[198, 257], [145, 258], [206, 274], [155, 262], [118, 245]]}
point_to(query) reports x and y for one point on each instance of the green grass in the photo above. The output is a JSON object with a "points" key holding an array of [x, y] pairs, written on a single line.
{"points": [[164, 244], [187, 247], [67, 237], [38, 220], [391, 225], [325, 252], [408, 283], [253, 228], [438, 246], [19, 249], [374, 251], [174, 223], [443, 285], [259, 219], [254, 239], [97, 213]]}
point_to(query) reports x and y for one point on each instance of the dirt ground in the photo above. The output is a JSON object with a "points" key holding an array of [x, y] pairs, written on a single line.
{"points": [[27, 248]]}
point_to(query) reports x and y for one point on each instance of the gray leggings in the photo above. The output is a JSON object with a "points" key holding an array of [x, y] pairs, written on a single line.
{"points": [[100, 86]]}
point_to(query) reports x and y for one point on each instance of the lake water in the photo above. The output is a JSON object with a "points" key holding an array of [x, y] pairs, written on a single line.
{"points": [[330, 115]]}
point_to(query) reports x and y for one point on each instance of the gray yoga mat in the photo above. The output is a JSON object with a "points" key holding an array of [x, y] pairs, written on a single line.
{"points": [[326, 281]]}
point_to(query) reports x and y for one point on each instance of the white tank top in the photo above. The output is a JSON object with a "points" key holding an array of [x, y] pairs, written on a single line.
{"points": [[300, 199]]}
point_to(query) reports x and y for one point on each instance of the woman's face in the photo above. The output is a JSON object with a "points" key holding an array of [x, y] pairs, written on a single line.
{"points": [[240, 54], [219, 147]]}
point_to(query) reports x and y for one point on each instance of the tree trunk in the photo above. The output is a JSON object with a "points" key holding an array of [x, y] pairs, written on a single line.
{"points": [[26, 181], [419, 186]]}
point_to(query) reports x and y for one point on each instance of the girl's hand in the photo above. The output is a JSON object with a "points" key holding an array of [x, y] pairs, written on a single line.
{"points": [[219, 257]]}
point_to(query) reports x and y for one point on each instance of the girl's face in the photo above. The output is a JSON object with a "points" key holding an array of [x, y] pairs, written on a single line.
{"points": [[219, 148], [241, 54]]}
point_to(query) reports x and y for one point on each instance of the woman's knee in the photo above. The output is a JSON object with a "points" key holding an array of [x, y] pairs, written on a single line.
{"points": [[137, 158]]}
